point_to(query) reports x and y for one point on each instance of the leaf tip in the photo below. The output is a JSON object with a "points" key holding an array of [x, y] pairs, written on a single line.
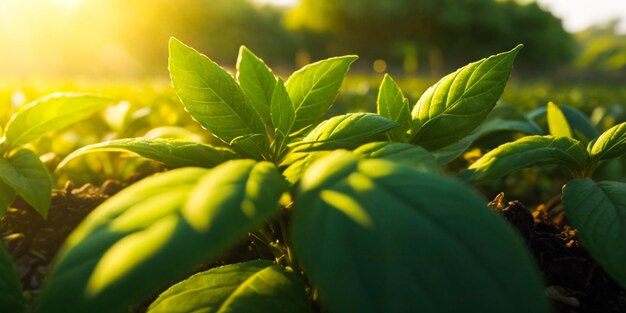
{"points": [[175, 45], [174, 41], [243, 49], [513, 52], [352, 57], [387, 78]]}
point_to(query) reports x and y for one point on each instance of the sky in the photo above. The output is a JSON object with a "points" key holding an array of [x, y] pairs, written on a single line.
{"points": [[576, 14], [579, 14]]}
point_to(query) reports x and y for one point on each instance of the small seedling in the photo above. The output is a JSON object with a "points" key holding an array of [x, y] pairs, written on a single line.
{"points": [[596, 209], [21, 171]]}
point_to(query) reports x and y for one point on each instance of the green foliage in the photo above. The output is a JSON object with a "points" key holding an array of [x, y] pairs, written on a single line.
{"points": [[283, 116], [298, 163], [579, 125], [21, 171], [219, 104], [392, 104], [412, 155], [610, 144], [257, 82], [49, 114], [450, 152], [215, 100], [313, 89], [557, 122], [458, 103], [7, 195], [525, 152], [110, 261], [598, 211], [171, 152], [345, 132], [567, 148], [11, 299], [24, 173], [375, 229], [352, 233], [365, 231], [254, 286]]}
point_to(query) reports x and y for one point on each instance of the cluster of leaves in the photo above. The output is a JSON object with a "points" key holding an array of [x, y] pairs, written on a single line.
{"points": [[21, 171], [367, 223], [596, 209]]}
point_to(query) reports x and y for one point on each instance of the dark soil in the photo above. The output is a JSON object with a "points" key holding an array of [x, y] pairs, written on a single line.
{"points": [[575, 282], [33, 241]]}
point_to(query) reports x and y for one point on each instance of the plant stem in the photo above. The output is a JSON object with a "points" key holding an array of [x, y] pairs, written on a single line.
{"points": [[285, 235]]}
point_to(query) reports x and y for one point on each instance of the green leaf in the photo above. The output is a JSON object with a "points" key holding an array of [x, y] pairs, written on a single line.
{"points": [[24, 172], [449, 153], [298, 163], [174, 132], [7, 195], [11, 300], [257, 82], [254, 286], [375, 236], [392, 104], [283, 116], [215, 100], [598, 211], [171, 152], [611, 144], [414, 156], [157, 230], [526, 152], [313, 89], [345, 132], [576, 119], [557, 122], [51, 113], [459, 102]]}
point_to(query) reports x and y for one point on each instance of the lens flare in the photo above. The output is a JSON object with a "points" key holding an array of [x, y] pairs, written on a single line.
{"points": [[66, 3]]}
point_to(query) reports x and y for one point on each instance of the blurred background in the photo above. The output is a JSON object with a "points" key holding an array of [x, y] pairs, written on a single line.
{"points": [[574, 55], [575, 39]]}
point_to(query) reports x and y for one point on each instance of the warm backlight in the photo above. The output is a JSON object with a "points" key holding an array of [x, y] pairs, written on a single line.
{"points": [[66, 3]]}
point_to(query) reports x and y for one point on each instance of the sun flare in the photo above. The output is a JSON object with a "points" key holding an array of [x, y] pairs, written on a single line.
{"points": [[66, 3]]}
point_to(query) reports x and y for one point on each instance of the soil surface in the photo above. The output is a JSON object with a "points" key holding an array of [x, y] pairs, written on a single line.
{"points": [[33, 241], [575, 282]]}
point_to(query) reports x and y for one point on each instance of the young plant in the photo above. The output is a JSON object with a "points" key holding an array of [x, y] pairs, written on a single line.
{"points": [[21, 171], [371, 230], [596, 209]]}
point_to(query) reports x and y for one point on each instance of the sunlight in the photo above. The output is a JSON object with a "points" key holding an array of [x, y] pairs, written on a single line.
{"points": [[278, 2], [66, 3]]}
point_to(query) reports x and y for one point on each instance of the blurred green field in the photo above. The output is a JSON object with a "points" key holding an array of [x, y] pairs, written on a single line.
{"points": [[150, 108], [151, 103]]}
